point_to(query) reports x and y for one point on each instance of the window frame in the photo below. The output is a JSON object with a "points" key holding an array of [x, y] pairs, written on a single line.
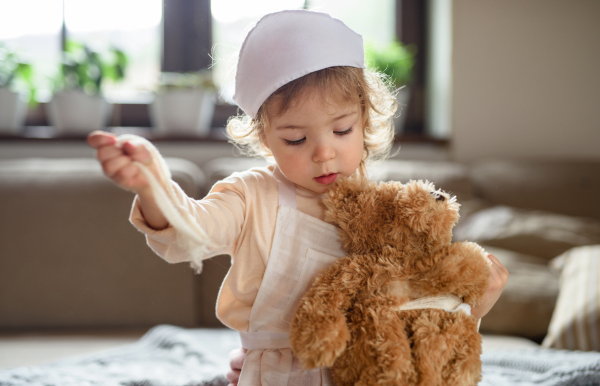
{"points": [[411, 28]]}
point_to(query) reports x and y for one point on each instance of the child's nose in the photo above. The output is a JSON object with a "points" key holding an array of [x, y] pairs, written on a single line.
{"points": [[323, 152]]}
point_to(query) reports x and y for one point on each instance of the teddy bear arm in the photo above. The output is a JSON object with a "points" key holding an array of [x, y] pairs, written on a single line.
{"points": [[319, 332], [461, 270]]}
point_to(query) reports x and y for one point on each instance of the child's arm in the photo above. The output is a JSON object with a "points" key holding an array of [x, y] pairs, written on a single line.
{"points": [[117, 164], [216, 220]]}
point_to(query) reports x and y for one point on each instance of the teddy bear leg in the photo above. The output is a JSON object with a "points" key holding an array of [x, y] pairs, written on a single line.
{"points": [[357, 356], [379, 352], [464, 369], [392, 351], [388, 347], [433, 348]]}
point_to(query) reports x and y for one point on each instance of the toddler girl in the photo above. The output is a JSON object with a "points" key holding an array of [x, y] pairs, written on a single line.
{"points": [[313, 108]]}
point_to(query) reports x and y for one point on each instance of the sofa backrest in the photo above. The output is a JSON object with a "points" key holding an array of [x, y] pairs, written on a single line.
{"points": [[560, 186], [448, 176]]}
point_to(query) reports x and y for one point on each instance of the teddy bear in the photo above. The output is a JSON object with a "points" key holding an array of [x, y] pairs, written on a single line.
{"points": [[377, 315]]}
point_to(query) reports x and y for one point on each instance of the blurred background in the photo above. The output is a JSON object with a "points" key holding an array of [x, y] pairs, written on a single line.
{"points": [[498, 99]]}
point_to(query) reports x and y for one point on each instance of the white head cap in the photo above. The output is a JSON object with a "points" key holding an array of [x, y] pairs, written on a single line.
{"points": [[287, 45]]}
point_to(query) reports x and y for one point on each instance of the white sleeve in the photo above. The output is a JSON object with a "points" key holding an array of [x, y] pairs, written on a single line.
{"points": [[220, 214]]}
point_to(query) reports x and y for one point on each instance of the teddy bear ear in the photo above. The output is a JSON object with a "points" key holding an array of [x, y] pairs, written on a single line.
{"points": [[412, 205], [425, 209]]}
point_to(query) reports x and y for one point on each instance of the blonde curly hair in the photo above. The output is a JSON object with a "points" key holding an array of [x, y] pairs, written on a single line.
{"points": [[370, 90]]}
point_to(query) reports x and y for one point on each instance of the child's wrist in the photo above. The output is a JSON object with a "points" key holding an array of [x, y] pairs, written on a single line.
{"points": [[145, 193]]}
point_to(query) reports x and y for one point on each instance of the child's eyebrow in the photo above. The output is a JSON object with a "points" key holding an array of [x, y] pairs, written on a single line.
{"points": [[332, 120]]}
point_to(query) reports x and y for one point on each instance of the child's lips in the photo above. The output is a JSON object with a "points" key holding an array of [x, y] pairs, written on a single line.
{"points": [[326, 179]]}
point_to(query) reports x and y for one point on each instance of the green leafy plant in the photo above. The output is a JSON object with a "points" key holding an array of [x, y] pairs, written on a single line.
{"points": [[396, 60], [16, 74], [186, 81], [86, 70]]}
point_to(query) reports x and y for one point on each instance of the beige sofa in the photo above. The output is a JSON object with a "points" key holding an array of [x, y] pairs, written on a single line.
{"points": [[70, 259]]}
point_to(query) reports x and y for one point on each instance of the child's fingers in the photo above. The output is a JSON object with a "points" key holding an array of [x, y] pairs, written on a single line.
{"points": [[137, 153], [498, 275], [97, 139], [494, 259], [233, 376], [106, 153], [113, 165], [236, 358], [130, 177], [497, 265]]}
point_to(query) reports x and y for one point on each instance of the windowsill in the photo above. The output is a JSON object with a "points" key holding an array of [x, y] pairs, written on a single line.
{"points": [[48, 133], [217, 134]]}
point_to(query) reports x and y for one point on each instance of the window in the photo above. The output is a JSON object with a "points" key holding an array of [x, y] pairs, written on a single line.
{"points": [[33, 28], [134, 26], [184, 35]]}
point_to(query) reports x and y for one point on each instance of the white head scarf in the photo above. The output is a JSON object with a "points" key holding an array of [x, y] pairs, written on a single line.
{"points": [[287, 45]]}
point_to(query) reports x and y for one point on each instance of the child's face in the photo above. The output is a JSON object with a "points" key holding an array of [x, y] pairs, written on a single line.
{"points": [[316, 141]]}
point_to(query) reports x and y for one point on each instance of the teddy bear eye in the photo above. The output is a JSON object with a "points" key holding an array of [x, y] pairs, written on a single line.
{"points": [[438, 197]]}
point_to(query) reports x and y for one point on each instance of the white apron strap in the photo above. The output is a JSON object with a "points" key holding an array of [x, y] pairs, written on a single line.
{"points": [[287, 190]]}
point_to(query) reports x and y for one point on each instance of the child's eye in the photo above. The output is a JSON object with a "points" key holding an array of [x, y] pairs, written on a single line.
{"points": [[294, 143], [345, 132]]}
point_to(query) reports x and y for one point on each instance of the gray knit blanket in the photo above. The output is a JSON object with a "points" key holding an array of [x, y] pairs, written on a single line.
{"points": [[172, 356]]}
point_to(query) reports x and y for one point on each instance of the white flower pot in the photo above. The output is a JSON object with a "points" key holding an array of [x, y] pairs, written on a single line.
{"points": [[13, 111], [183, 112], [403, 97], [77, 112]]}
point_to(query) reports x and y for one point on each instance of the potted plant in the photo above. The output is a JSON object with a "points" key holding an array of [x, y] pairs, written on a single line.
{"points": [[77, 104], [184, 103], [16, 88], [396, 61]]}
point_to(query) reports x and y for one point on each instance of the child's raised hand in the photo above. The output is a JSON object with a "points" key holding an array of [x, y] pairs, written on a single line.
{"points": [[118, 165], [117, 162]]}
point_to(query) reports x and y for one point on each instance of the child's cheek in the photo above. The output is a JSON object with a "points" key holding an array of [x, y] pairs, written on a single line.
{"points": [[291, 162], [298, 161]]}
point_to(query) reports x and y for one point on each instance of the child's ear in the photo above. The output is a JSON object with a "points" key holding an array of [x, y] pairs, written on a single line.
{"points": [[262, 136]]}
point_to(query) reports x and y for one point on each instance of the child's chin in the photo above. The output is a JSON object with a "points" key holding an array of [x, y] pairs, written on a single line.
{"points": [[319, 188]]}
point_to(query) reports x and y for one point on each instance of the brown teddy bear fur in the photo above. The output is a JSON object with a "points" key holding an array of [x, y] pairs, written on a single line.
{"points": [[398, 243]]}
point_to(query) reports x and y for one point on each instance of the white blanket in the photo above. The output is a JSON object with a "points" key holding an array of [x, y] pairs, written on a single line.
{"points": [[174, 356]]}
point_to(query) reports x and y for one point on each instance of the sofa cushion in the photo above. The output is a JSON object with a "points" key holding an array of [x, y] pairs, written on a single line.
{"points": [[535, 233], [575, 322], [526, 304], [70, 257], [561, 186]]}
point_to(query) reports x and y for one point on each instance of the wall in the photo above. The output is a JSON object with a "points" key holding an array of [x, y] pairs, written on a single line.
{"points": [[525, 79]]}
